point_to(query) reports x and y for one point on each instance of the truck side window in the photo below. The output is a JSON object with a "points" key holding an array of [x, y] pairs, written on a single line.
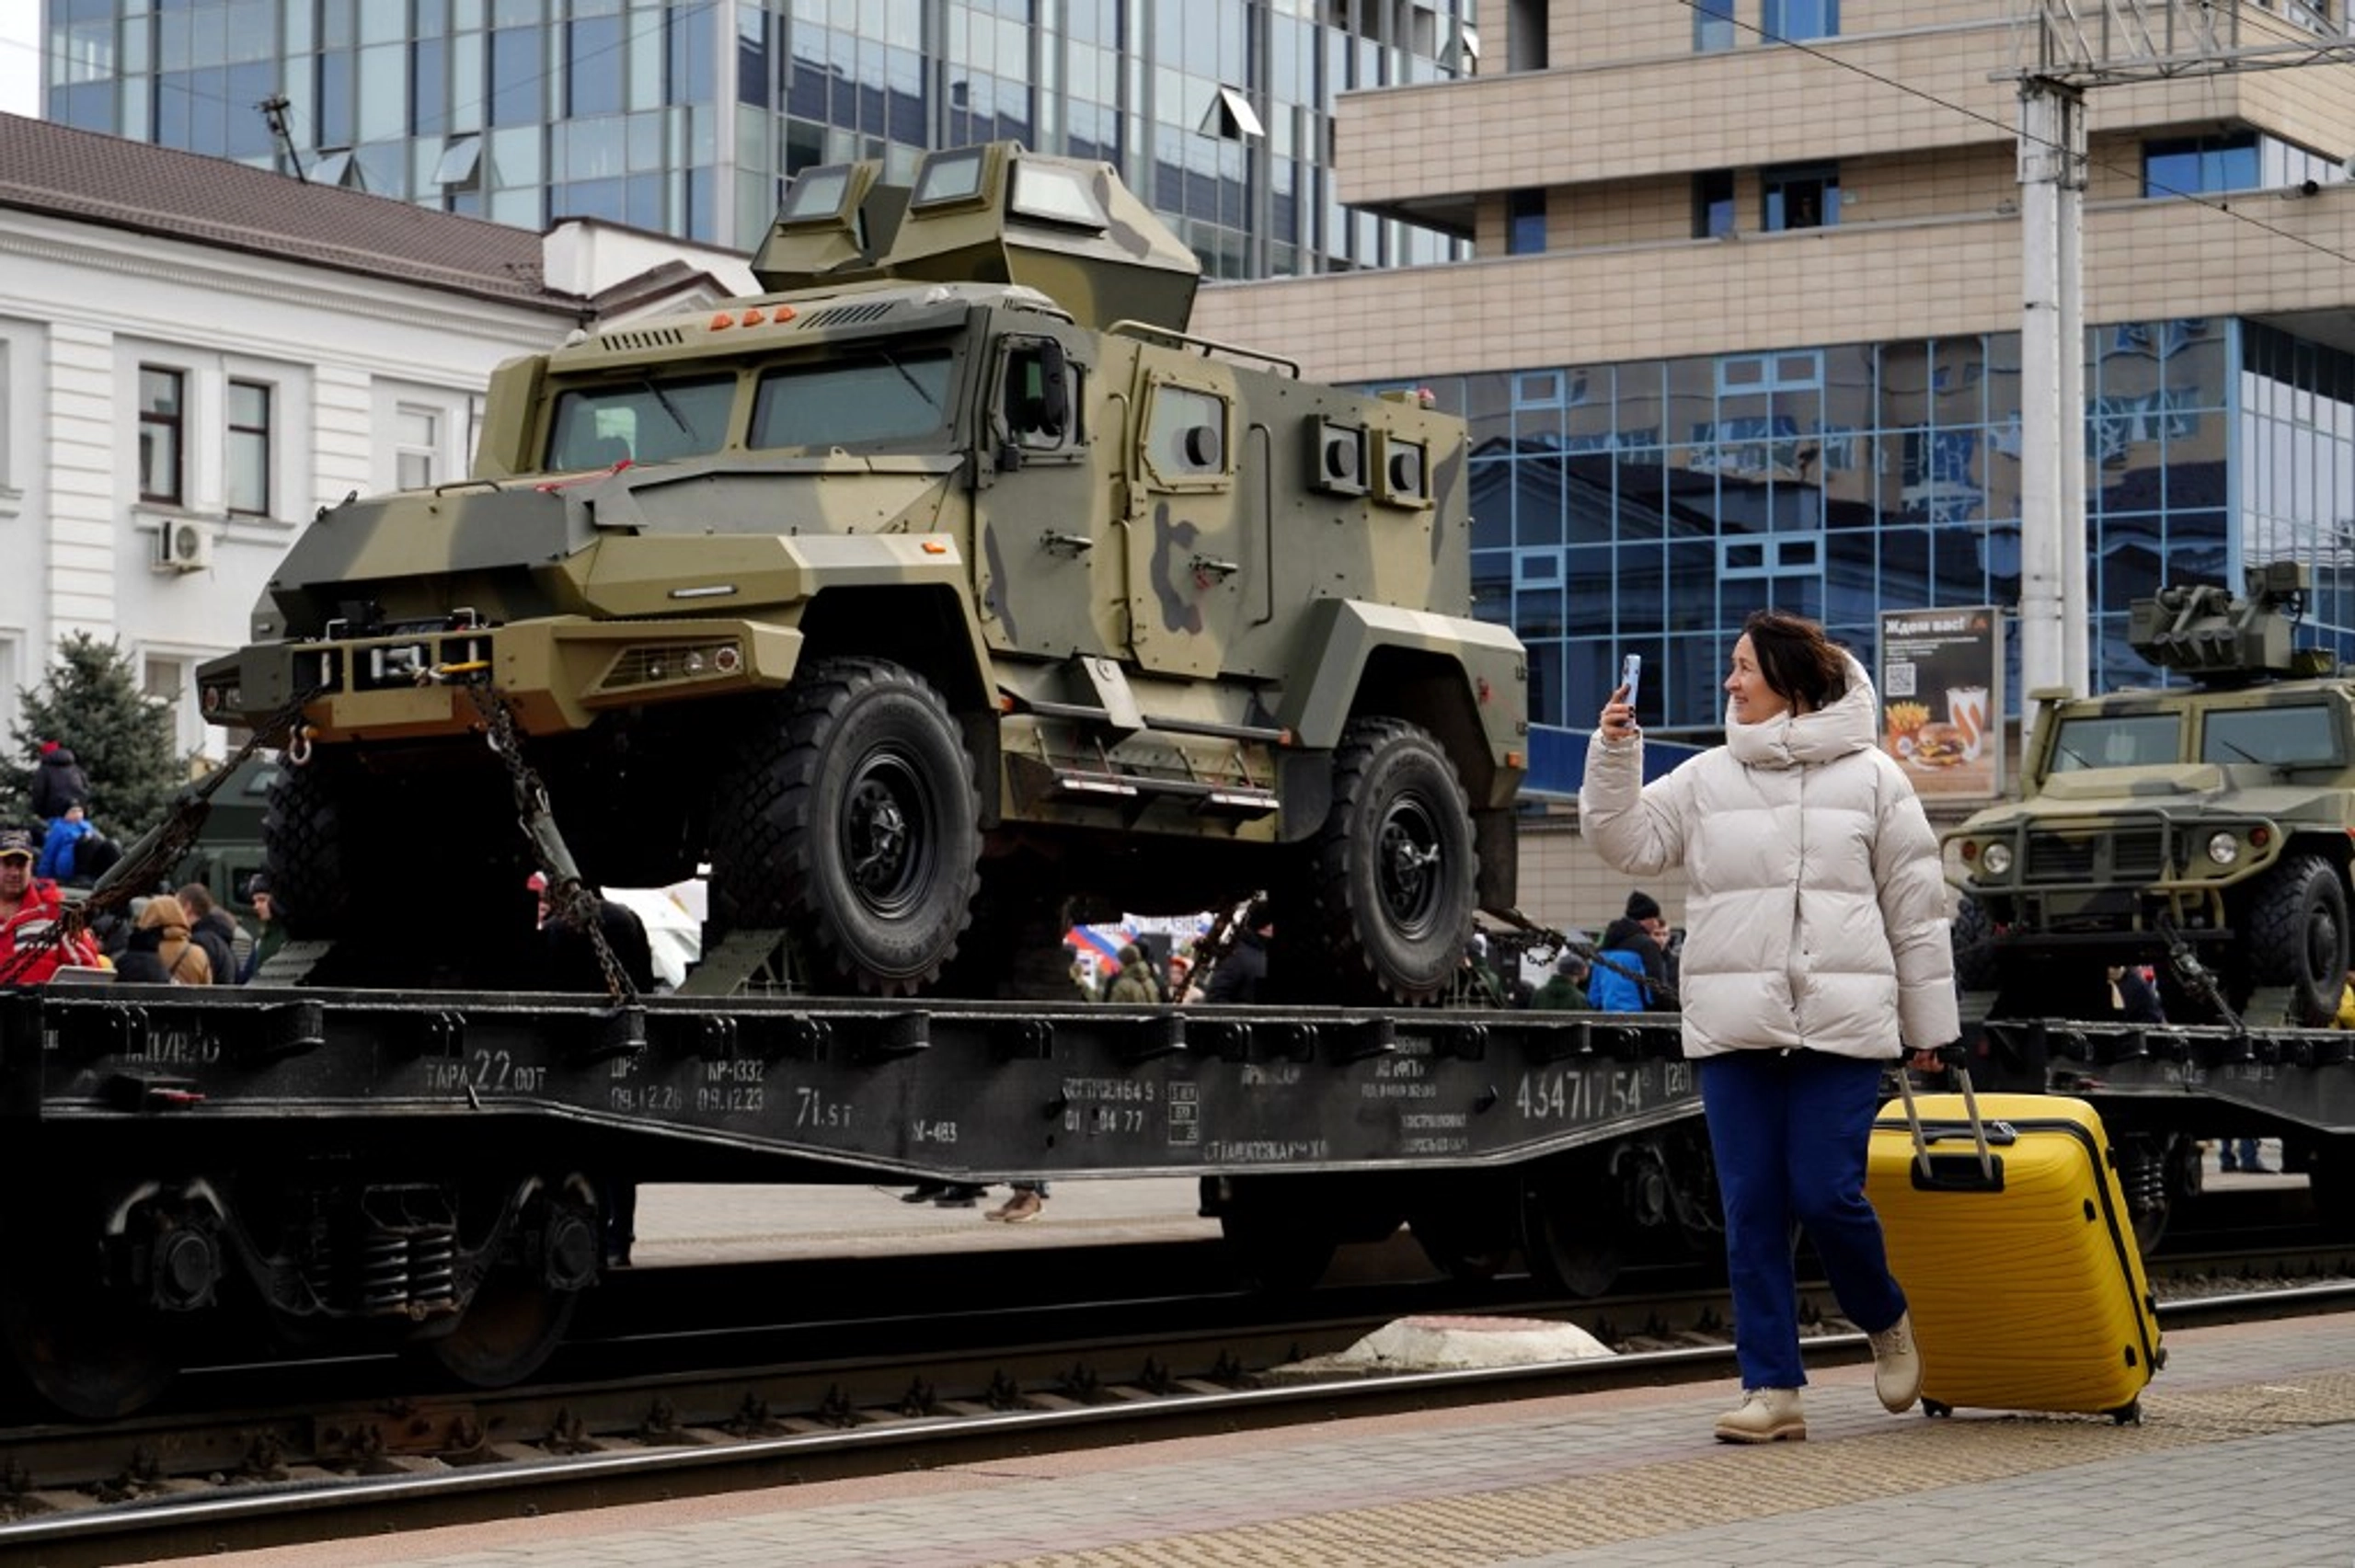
{"points": [[1034, 417], [1186, 434]]}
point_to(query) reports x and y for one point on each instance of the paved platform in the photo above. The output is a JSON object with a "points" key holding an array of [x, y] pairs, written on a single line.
{"points": [[2243, 1461]]}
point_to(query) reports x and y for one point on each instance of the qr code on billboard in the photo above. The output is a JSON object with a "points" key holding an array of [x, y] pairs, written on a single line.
{"points": [[1901, 681]]}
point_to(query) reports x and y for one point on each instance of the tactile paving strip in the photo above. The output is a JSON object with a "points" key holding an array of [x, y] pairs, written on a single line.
{"points": [[1598, 1507]]}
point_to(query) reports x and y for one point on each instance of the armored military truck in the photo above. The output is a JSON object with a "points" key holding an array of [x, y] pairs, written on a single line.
{"points": [[2204, 827], [946, 583]]}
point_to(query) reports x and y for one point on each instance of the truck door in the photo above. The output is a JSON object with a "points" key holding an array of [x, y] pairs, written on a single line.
{"points": [[1190, 558], [1042, 519]]}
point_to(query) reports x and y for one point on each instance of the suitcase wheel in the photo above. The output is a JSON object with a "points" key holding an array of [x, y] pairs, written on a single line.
{"points": [[1936, 1407], [2127, 1414]]}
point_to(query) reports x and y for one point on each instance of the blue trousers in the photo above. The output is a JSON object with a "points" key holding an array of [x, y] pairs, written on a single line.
{"points": [[1788, 1130]]}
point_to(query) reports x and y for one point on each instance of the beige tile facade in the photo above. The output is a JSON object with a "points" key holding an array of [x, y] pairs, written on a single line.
{"points": [[1858, 283]]}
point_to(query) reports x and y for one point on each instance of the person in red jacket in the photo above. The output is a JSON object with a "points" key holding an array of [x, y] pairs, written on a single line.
{"points": [[29, 908]]}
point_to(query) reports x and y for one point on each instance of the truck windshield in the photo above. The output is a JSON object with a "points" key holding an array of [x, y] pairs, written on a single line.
{"points": [[2285, 738], [2120, 740], [643, 420], [893, 396]]}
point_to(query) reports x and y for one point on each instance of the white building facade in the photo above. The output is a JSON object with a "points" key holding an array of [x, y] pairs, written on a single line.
{"points": [[173, 411]]}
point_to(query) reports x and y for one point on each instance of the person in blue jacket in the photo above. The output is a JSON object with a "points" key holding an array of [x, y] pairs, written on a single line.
{"points": [[1628, 943], [57, 847]]}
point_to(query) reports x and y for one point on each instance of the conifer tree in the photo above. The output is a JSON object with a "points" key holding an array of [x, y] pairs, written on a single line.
{"points": [[90, 702]]}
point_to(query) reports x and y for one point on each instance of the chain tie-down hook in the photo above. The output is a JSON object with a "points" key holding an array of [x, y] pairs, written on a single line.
{"points": [[568, 896]]}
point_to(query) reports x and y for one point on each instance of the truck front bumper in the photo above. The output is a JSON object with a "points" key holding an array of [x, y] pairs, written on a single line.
{"points": [[555, 675]]}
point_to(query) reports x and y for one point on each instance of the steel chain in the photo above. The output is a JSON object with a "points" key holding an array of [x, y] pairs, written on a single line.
{"points": [[568, 898], [161, 850]]}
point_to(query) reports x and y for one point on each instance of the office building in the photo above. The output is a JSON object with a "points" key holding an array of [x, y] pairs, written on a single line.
{"points": [[1744, 324], [688, 116]]}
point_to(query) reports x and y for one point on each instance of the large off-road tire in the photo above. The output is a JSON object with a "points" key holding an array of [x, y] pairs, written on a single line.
{"points": [[1974, 933], [2296, 935], [303, 833], [338, 840], [847, 816], [1391, 874]]}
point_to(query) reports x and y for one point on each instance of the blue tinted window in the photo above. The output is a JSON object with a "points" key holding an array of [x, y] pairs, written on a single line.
{"points": [[1712, 203], [1803, 18], [692, 51], [1712, 25], [428, 87], [87, 106], [1525, 222], [248, 132], [515, 76], [1801, 196], [2190, 165], [593, 66], [752, 84]]}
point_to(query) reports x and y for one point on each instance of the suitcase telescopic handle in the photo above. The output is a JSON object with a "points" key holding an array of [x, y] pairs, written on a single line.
{"points": [[1969, 1105]]}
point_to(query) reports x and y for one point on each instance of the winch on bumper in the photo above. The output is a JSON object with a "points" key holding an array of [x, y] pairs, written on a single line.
{"points": [[558, 674]]}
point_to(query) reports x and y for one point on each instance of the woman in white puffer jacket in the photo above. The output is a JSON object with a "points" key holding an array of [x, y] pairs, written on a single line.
{"points": [[1815, 950]]}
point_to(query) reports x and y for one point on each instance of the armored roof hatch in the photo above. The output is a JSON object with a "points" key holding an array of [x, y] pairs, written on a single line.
{"points": [[992, 213]]}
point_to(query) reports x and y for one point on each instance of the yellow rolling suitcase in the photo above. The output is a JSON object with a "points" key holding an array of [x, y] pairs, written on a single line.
{"points": [[2008, 1231]]}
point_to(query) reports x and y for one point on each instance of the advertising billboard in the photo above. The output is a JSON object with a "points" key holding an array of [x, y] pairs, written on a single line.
{"points": [[1942, 699]]}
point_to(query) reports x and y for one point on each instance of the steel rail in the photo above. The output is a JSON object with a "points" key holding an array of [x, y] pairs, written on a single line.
{"points": [[279, 1513]]}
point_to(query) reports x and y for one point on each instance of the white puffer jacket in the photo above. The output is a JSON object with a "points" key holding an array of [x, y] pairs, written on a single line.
{"points": [[1818, 911]]}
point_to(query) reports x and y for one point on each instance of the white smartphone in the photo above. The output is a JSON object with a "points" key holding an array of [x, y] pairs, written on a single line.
{"points": [[1631, 675]]}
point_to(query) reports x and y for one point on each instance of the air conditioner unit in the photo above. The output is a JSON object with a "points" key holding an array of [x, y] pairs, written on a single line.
{"points": [[183, 545]]}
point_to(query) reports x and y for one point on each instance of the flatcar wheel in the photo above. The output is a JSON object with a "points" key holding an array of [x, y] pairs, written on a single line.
{"points": [[1278, 1251], [510, 1328], [86, 1350], [1572, 1246], [1460, 1246]]}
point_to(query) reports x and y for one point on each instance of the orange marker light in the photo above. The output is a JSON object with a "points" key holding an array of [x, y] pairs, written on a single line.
{"points": [[754, 316], [720, 319], [934, 547]]}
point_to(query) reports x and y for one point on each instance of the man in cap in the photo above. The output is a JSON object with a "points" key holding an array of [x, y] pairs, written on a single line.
{"points": [[29, 909]]}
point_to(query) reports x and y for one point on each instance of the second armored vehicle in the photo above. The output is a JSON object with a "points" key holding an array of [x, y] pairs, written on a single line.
{"points": [[947, 582], [2204, 827]]}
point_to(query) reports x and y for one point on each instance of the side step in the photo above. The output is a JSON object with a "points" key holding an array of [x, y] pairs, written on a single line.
{"points": [[1240, 800]]}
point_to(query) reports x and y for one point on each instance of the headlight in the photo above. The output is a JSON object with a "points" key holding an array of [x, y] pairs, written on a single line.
{"points": [[1997, 859], [2223, 848]]}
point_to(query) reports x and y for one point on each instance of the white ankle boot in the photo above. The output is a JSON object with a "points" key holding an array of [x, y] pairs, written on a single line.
{"points": [[1767, 1415], [1897, 1366]]}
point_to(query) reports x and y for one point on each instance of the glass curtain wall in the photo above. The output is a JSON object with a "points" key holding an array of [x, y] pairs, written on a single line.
{"points": [[689, 116], [1649, 507]]}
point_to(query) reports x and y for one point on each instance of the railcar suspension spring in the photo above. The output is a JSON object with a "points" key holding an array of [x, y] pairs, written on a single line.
{"points": [[434, 1268], [384, 1272]]}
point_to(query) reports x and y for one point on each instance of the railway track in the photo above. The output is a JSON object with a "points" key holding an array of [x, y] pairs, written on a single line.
{"points": [[231, 1478]]}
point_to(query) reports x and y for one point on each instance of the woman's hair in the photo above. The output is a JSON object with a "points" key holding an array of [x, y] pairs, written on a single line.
{"points": [[1796, 659]]}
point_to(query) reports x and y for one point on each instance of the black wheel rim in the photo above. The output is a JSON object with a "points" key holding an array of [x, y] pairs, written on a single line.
{"points": [[887, 838], [1409, 866]]}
